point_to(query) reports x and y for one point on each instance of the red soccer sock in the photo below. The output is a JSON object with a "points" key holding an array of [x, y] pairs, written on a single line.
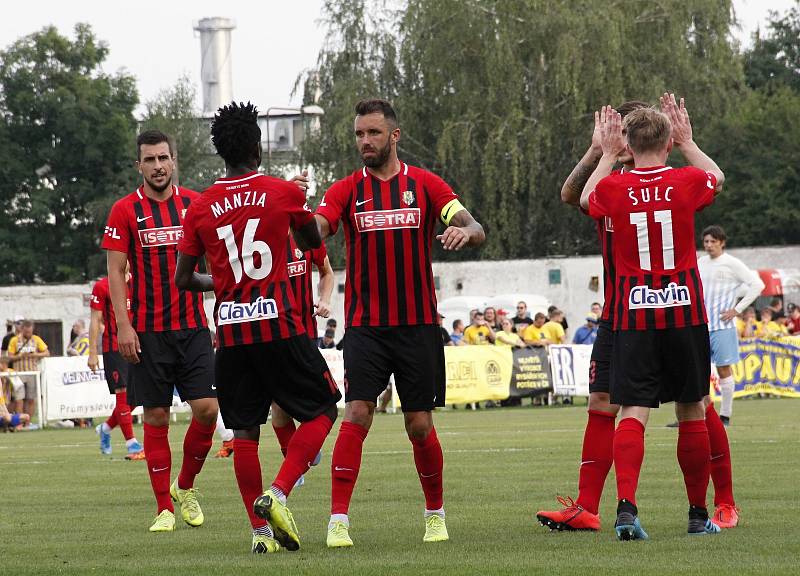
{"points": [[159, 462], [284, 434], [628, 456], [597, 457], [694, 456], [248, 476], [303, 448], [430, 463], [721, 473], [196, 445], [345, 464], [112, 420], [124, 416]]}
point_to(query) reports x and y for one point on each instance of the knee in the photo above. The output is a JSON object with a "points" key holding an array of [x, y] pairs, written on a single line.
{"points": [[206, 413], [360, 413], [156, 416], [418, 429], [601, 401]]}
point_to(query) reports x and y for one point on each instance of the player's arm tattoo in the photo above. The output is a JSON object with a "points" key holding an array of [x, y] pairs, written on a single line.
{"points": [[464, 220], [187, 279], [573, 185]]}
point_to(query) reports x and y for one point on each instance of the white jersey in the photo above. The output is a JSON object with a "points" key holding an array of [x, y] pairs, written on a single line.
{"points": [[723, 279]]}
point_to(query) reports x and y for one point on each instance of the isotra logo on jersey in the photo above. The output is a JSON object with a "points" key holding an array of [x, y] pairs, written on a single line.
{"points": [[296, 268], [646, 297], [238, 312], [387, 219], [166, 236]]}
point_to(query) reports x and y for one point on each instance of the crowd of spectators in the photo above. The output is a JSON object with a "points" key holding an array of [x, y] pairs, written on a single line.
{"points": [[22, 350], [770, 322]]}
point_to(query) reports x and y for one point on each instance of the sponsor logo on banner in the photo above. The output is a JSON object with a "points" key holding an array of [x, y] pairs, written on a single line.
{"points": [[166, 236], [296, 268], [493, 374], [387, 219], [646, 297], [80, 376], [238, 312]]}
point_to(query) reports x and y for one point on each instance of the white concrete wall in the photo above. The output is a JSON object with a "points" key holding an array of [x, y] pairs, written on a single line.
{"points": [[68, 302]]}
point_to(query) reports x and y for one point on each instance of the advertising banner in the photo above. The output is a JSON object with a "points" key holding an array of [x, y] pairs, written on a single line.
{"points": [[569, 368]]}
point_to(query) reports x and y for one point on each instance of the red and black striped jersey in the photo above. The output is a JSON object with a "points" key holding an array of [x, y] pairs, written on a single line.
{"points": [[148, 231], [657, 284], [241, 225], [605, 233], [388, 229], [101, 301], [298, 267]]}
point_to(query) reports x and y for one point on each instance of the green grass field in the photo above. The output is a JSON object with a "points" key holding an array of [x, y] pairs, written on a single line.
{"points": [[67, 509]]}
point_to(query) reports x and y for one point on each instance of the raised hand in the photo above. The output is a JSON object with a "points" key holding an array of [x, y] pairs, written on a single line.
{"points": [[678, 117], [611, 139]]}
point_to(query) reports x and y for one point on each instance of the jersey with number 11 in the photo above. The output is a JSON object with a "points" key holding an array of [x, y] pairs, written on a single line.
{"points": [[241, 224], [652, 210]]}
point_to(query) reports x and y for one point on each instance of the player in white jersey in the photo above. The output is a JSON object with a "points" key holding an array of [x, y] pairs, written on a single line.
{"points": [[724, 277]]}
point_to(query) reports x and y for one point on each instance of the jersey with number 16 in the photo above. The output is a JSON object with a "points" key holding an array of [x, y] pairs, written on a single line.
{"points": [[657, 284], [240, 224]]}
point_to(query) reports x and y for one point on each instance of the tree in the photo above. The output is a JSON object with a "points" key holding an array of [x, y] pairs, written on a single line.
{"points": [[66, 137], [774, 59], [173, 112], [497, 96]]}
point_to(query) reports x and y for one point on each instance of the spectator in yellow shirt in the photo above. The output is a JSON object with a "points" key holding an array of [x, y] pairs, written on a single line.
{"points": [[746, 325], [25, 351], [80, 341], [478, 332], [534, 334], [553, 329], [768, 327], [507, 336]]}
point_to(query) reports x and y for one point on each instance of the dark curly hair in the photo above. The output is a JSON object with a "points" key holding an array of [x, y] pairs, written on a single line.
{"points": [[235, 133]]}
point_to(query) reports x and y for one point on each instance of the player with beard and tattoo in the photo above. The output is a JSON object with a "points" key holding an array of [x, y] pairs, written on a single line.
{"points": [[388, 211], [166, 338]]}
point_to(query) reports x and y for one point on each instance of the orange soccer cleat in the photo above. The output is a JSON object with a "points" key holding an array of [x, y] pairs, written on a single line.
{"points": [[726, 516], [226, 450], [135, 455], [570, 517]]}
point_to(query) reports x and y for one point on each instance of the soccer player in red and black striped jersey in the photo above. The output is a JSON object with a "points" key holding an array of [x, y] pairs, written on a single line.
{"points": [[298, 267], [241, 224], [115, 369], [661, 351], [389, 212], [167, 337]]}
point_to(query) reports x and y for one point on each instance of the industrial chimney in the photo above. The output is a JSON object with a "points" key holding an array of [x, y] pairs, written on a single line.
{"points": [[215, 69]]}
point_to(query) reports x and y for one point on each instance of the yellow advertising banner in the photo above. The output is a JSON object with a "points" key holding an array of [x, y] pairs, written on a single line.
{"points": [[477, 373]]}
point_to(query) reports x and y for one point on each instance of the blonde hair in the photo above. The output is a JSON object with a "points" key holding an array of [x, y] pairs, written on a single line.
{"points": [[647, 130]]}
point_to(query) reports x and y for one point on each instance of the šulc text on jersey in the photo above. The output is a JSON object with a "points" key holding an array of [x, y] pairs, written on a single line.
{"points": [[649, 194], [238, 200]]}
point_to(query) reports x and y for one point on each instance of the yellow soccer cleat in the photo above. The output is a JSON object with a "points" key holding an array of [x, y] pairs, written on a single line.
{"points": [[263, 544], [435, 529], [268, 507], [339, 535], [165, 522], [191, 512]]}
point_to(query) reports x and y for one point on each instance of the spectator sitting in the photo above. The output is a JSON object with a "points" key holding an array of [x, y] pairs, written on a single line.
{"points": [[776, 305], [13, 389], [793, 326], [555, 329], [587, 333], [746, 323], [478, 332], [534, 334], [767, 327], [523, 319], [12, 421], [490, 315], [507, 336], [446, 340], [597, 310], [327, 341], [79, 346], [552, 309], [457, 335]]}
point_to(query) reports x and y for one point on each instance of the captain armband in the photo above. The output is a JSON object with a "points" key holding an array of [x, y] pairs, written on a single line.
{"points": [[451, 209]]}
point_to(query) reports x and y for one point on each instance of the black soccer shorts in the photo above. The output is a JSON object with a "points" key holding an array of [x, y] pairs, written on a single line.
{"points": [[292, 372], [600, 366], [654, 366], [414, 354], [116, 369], [182, 359]]}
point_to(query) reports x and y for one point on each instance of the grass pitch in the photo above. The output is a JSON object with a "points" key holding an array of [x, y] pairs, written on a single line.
{"points": [[69, 510]]}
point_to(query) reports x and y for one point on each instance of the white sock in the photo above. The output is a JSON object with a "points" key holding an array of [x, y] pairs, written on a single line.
{"points": [[129, 443], [224, 433], [726, 388], [278, 493], [339, 518], [105, 428], [439, 512]]}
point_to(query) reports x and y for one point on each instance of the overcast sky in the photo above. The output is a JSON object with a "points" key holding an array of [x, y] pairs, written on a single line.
{"points": [[273, 42]]}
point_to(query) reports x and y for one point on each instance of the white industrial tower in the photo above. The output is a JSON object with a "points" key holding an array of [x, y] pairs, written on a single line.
{"points": [[216, 64]]}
